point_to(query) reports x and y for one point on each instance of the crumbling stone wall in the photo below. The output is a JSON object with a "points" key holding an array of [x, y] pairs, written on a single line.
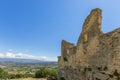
{"points": [[96, 55]]}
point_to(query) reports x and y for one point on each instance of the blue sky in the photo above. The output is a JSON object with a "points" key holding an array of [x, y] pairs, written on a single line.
{"points": [[36, 27]]}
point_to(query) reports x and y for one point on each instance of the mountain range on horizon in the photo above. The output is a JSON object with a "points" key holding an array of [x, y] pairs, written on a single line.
{"points": [[20, 60]]}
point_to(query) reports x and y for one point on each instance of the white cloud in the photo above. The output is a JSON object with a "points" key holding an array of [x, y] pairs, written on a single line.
{"points": [[1, 55], [26, 56]]}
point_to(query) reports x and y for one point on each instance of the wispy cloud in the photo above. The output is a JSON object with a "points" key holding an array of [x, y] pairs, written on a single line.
{"points": [[26, 56]]}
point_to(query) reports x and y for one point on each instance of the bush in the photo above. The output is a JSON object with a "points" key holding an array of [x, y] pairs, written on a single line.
{"points": [[19, 75], [28, 75], [12, 76], [51, 74], [42, 73], [3, 74]]}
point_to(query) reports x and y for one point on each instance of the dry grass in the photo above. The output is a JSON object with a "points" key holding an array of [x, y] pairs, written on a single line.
{"points": [[30, 79]]}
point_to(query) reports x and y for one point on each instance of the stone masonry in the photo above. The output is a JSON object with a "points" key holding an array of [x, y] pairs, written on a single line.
{"points": [[96, 55]]}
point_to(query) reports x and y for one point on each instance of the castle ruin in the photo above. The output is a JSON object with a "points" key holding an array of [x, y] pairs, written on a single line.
{"points": [[96, 55]]}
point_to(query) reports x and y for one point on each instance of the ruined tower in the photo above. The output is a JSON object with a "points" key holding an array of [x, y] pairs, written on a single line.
{"points": [[96, 55]]}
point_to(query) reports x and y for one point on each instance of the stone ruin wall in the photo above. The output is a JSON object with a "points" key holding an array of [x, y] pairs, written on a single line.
{"points": [[96, 55]]}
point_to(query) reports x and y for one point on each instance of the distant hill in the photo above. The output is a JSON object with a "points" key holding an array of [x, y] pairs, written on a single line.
{"points": [[24, 61]]}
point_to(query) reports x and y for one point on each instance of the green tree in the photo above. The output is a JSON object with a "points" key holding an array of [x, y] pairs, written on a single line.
{"points": [[43, 72], [53, 75]]}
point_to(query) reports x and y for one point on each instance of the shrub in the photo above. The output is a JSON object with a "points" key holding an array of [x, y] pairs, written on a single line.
{"points": [[51, 74], [3, 74], [12, 76], [43, 72], [19, 75]]}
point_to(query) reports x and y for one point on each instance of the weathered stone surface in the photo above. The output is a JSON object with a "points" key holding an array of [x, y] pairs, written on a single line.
{"points": [[96, 55]]}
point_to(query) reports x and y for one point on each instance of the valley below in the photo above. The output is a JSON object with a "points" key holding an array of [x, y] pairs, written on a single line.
{"points": [[19, 69]]}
